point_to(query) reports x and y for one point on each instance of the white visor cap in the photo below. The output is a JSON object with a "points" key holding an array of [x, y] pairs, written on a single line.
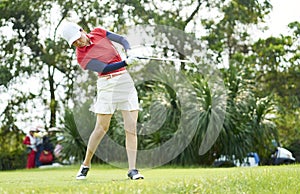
{"points": [[71, 32]]}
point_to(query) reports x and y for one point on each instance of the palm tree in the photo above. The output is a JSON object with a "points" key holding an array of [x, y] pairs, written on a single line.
{"points": [[246, 127], [73, 145]]}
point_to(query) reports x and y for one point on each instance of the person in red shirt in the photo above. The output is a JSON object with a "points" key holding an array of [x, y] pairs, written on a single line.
{"points": [[115, 88], [30, 142]]}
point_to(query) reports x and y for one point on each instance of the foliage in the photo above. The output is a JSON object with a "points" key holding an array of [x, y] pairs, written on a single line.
{"points": [[272, 66], [6, 76], [246, 126], [162, 108], [229, 34], [294, 147], [29, 53], [11, 160], [75, 141], [276, 60], [73, 145], [11, 136]]}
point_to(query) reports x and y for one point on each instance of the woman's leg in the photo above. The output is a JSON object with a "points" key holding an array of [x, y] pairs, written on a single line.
{"points": [[130, 121], [101, 127]]}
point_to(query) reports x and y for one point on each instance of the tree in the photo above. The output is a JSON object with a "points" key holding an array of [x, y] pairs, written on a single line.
{"points": [[230, 34], [31, 57], [277, 59], [30, 53]]}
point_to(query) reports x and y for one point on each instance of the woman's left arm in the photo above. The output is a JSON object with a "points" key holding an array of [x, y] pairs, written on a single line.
{"points": [[118, 39]]}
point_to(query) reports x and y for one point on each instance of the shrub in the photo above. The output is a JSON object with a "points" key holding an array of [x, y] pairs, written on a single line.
{"points": [[13, 160]]}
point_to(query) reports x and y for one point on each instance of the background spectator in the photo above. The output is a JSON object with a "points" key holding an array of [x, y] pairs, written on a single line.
{"points": [[30, 142]]}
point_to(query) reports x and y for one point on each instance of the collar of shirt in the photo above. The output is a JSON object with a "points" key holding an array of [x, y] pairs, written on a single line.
{"points": [[90, 36]]}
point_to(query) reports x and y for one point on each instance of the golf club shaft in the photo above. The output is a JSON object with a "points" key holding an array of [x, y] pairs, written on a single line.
{"points": [[165, 59]]}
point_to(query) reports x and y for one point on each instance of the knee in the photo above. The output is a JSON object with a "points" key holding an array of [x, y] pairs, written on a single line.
{"points": [[130, 131], [130, 126], [100, 129]]}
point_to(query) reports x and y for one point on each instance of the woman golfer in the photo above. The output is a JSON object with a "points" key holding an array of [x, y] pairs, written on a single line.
{"points": [[115, 88]]}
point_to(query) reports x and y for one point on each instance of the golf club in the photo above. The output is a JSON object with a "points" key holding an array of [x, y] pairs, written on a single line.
{"points": [[165, 59]]}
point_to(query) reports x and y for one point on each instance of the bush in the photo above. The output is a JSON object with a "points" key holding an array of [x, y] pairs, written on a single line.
{"points": [[295, 149], [13, 160]]}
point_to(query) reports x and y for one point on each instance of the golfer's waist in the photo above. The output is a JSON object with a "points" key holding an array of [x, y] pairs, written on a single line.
{"points": [[114, 74]]}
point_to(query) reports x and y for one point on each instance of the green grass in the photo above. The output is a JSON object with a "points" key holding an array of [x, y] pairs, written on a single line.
{"points": [[106, 179]]}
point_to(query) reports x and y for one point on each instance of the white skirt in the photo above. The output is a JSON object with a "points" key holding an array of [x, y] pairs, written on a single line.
{"points": [[116, 93]]}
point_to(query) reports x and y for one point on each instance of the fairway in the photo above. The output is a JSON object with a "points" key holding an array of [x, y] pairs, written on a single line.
{"points": [[107, 179]]}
